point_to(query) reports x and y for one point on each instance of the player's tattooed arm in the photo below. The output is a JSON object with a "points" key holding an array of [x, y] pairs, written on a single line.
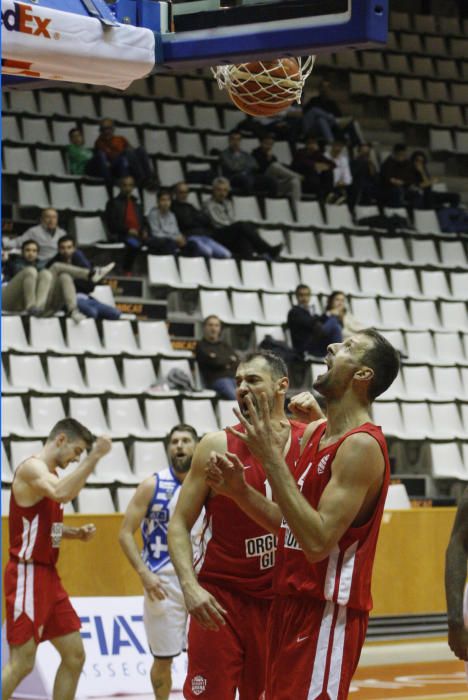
{"points": [[455, 579], [200, 603], [225, 475]]}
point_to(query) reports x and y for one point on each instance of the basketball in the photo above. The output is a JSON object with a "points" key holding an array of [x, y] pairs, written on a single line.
{"points": [[264, 88]]}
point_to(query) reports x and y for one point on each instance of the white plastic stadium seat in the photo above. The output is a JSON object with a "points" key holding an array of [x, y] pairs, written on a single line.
{"points": [[148, 457], [13, 335], [95, 500], [154, 339], [315, 277], [89, 230], [45, 413], [138, 375], [216, 303], [89, 411], [446, 421], [65, 375], [193, 272], [448, 383], [447, 462], [114, 466], [162, 271], [225, 274], [161, 416], [256, 275], [200, 414], [124, 496], [276, 308], [397, 498], [7, 474], [125, 418], [84, 337], [119, 338], [247, 308], [420, 346], [33, 193], [303, 245], [26, 371], [46, 334], [102, 375], [22, 449], [14, 420]]}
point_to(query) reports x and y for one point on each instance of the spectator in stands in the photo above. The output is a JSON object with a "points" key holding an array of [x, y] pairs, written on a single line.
{"points": [[315, 167], [165, 229], [286, 125], [324, 119], [342, 178], [69, 256], [126, 224], [311, 333], [28, 284], [46, 234], [217, 360], [336, 304], [396, 178], [365, 188], [240, 237], [422, 183], [117, 158], [287, 181], [241, 169], [43, 292], [193, 222], [80, 159]]}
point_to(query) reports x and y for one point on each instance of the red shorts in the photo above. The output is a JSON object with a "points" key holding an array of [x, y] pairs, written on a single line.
{"points": [[320, 642], [235, 656], [36, 604]]}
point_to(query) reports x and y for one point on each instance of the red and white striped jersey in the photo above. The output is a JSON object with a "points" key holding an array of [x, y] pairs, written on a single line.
{"points": [[236, 552], [35, 531], [344, 577]]}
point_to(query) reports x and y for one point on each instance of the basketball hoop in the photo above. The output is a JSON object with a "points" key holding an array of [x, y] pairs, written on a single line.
{"points": [[265, 87]]}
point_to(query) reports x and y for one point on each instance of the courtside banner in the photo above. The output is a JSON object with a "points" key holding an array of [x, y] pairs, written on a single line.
{"points": [[38, 42], [118, 660]]}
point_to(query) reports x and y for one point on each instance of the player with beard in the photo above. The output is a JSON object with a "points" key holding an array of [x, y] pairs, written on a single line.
{"points": [[165, 615], [37, 606], [327, 517], [229, 591]]}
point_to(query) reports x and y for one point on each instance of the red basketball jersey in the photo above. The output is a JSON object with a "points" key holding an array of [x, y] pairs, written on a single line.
{"points": [[344, 577], [236, 552], [36, 531]]}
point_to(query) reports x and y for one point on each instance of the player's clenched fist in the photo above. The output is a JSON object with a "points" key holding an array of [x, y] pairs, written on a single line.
{"points": [[305, 407], [102, 446]]}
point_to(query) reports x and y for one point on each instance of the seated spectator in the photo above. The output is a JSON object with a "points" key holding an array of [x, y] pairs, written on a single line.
{"points": [[217, 360], [342, 178], [423, 183], [324, 119], [46, 234], [311, 333], [240, 237], [165, 229], [336, 304], [27, 283], [365, 187], [126, 224], [287, 181], [193, 222], [284, 126], [80, 159], [396, 178], [117, 158], [241, 169], [43, 292], [68, 255], [315, 167]]}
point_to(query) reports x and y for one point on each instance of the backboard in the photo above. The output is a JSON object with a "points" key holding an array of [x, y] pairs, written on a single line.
{"points": [[92, 42]]}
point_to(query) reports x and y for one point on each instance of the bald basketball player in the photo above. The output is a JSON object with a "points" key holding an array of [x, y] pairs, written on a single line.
{"points": [[326, 515], [455, 581]]}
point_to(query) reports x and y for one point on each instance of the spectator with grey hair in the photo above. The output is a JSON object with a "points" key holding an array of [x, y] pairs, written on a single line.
{"points": [[240, 237], [46, 234]]}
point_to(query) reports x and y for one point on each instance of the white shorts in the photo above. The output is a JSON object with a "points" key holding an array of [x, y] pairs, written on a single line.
{"points": [[166, 620]]}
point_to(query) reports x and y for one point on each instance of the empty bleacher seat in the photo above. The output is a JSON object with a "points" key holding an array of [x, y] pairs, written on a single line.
{"points": [[200, 414], [27, 371], [161, 416], [95, 500], [148, 457], [65, 375], [89, 411]]}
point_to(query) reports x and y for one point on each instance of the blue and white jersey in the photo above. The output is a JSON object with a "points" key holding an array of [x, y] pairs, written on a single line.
{"points": [[154, 526]]}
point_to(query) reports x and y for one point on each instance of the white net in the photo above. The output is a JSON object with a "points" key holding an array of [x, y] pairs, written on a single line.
{"points": [[266, 82]]}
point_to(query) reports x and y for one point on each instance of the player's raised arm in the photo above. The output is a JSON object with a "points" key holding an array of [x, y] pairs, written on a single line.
{"points": [[350, 496], [35, 475], [194, 492], [455, 579], [136, 511]]}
